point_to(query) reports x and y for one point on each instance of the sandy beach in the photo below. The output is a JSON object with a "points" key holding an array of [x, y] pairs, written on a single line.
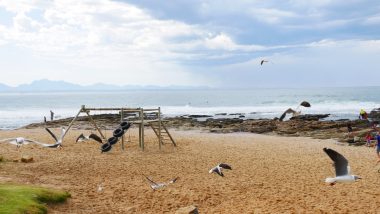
{"points": [[271, 174]]}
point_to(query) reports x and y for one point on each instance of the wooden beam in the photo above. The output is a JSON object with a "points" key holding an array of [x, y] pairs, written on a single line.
{"points": [[96, 126], [72, 121], [159, 129], [121, 120]]}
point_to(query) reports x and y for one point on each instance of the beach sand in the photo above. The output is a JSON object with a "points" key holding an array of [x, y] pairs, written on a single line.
{"points": [[271, 174]]}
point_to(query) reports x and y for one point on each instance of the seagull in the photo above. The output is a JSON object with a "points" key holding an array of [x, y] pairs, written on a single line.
{"points": [[19, 141], [58, 141], [262, 61], [83, 138], [342, 170], [100, 187], [289, 111], [156, 186], [218, 169]]}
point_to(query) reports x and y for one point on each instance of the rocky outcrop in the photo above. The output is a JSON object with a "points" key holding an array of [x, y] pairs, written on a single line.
{"points": [[303, 125], [314, 117], [375, 115]]}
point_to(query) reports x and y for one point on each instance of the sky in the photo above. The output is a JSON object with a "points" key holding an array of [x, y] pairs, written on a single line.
{"points": [[215, 43]]}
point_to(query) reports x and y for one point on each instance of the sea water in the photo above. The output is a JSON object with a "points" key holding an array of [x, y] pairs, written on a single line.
{"points": [[19, 109]]}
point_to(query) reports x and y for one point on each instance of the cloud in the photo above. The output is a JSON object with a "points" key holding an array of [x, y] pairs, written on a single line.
{"points": [[136, 43], [271, 16]]}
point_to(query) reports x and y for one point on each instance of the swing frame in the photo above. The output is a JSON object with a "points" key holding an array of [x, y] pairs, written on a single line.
{"points": [[141, 122]]}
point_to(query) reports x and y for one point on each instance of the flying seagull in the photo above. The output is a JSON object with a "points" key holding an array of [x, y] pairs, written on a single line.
{"points": [[289, 111], [262, 61], [342, 170], [218, 169], [83, 138], [156, 186], [19, 141], [58, 141], [305, 104]]}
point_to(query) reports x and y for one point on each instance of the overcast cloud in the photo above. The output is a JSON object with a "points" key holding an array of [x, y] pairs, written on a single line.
{"points": [[217, 43]]}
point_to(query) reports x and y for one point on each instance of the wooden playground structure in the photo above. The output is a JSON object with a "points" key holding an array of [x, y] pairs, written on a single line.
{"points": [[157, 124]]}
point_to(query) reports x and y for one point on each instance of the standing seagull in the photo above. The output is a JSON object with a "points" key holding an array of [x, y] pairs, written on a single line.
{"points": [[156, 186], [19, 141], [342, 170], [262, 61], [58, 141], [218, 169], [83, 138]]}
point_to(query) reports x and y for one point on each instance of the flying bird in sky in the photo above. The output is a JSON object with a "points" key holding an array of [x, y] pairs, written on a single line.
{"points": [[262, 61]]}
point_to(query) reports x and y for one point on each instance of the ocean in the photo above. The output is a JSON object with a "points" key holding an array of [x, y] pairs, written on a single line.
{"points": [[19, 109]]}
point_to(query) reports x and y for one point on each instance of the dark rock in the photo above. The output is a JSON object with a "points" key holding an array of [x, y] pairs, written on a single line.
{"points": [[198, 116], [310, 117], [375, 114], [221, 114]]}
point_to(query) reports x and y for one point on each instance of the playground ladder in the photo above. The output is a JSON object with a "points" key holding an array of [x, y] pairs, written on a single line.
{"points": [[160, 129]]}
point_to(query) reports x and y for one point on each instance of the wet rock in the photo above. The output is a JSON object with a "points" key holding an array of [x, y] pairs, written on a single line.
{"points": [[375, 114], [221, 114], [198, 116], [310, 117]]}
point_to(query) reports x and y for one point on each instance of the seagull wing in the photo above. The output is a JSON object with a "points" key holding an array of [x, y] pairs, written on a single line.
{"points": [[305, 104], [33, 141], [81, 137], [173, 180], [150, 180], [52, 134], [262, 61], [63, 133], [340, 162], [282, 116], [95, 137], [224, 166], [217, 171], [7, 139], [51, 145], [13, 142]]}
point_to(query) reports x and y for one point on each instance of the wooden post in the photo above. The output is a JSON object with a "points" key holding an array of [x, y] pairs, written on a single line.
{"points": [[72, 122], [142, 129], [159, 128], [121, 120], [140, 124], [93, 122]]}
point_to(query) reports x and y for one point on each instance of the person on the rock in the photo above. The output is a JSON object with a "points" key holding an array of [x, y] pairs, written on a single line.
{"points": [[377, 147], [363, 115], [368, 138], [51, 115], [349, 130]]}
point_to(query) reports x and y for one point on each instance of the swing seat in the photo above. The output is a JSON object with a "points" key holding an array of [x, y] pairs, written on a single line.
{"points": [[118, 132], [106, 147], [112, 140], [125, 125]]}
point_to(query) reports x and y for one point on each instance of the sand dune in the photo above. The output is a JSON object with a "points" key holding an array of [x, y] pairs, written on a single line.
{"points": [[270, 174]]}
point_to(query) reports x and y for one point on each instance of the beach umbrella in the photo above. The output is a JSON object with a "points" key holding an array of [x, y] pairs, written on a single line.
{"points": [[305, 104]]}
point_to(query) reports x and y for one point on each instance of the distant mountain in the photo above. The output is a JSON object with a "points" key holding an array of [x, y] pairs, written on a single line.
{"points": [[54, 85], [4, 87], [49, 85]]}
